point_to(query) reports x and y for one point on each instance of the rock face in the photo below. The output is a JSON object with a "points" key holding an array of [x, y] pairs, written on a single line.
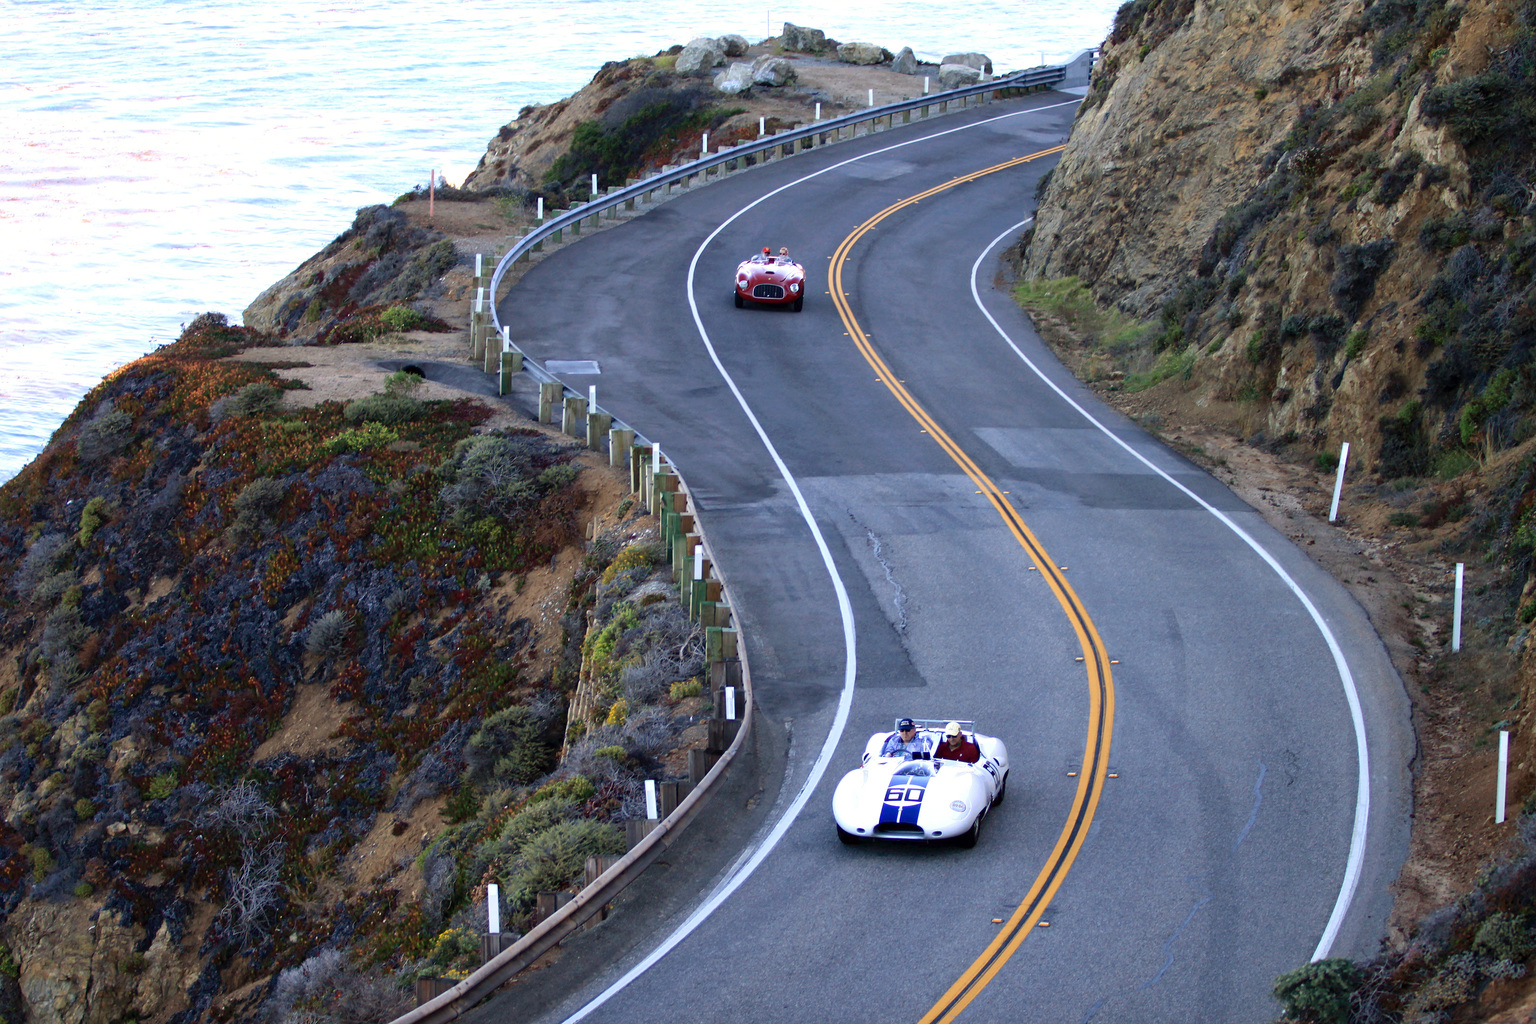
{"points": [[795, 39], [863, 53], [700, 55], [1267, 179], [735, 79], [905, 62], [772, 71], [980, 61], [955, 76], [735, 46]]}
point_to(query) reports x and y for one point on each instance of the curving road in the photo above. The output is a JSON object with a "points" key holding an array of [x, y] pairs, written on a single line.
{"points": [[1182, 825]]}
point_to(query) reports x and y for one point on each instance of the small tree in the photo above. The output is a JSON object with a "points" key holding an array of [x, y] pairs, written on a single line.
{"points": [[1318, 993]]}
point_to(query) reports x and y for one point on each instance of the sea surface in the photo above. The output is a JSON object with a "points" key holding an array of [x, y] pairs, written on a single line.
{"points": [[160, 159]]}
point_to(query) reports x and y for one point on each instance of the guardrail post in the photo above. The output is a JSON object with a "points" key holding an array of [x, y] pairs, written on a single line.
{"points": [[598, 424], [638, 457], [574, 419], [549, 397], [620, 442]]}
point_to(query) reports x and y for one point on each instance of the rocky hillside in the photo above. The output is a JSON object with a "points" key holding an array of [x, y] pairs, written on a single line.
{"points": [[1307, 223], [283, 682]]}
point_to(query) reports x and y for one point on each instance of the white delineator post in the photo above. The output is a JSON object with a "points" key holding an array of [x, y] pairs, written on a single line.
{"points": [[871, 97], [818, 110], [540, 214], [650, 799], [591, 398], [704, 146], [925, 85], [762, 127], [1338, 482], [1456, 609], [1498, 800], [730, 703], [479, 264], [594, 184], [698, 562], [493, 908]]}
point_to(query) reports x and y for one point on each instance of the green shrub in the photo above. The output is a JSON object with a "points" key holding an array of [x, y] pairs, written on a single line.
{"points": [[84, 889], [1451, 463], [686, 688], [92, 518], [507, 749], [85, 810], [1318, 992], [1355, 343], [104, 434], [636, 556], [42, 863], [163, 785], [551, 860], [330, 634], [1169, 365], [402, 318], [1404, 519], [576, 788], [255, 398], [616, 754], [1503, 936], [383, 408], [369, 435]]}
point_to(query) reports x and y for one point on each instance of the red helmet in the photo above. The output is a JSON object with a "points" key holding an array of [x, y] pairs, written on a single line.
{"points": [[765, 250]]}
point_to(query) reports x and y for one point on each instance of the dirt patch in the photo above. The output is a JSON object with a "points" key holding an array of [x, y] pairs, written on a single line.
{"points": [[310, 726]]}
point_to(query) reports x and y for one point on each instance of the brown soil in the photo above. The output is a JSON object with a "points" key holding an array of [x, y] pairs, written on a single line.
{"points": [[1404, 579]]}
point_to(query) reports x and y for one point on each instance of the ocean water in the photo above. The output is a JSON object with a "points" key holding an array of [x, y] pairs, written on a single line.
{"points": [[159, 159]]}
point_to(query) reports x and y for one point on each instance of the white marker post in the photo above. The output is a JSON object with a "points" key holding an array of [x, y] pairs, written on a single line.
{"points": [[871, 97], [650, 799], [594, 184], [1338, 482], [1498, 800], [698, 562], [818, 110], [493, 908], [479, 300], [762, 127], [1456, 610], [925, 85], [591, 398], [479, 264], [540, 214], [704, 146], [730, 703]]}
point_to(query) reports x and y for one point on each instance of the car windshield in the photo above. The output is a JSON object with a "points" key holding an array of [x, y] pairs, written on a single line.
{"points": [[915, 768]]}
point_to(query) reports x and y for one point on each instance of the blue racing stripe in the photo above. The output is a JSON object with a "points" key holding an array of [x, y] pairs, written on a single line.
{"points": [[903, 799]]}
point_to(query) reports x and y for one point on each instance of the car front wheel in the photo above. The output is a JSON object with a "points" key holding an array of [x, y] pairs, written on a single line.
{"points": [[739, 300], [799, 303], [967, 840], [848, 838], [1002, 791]]}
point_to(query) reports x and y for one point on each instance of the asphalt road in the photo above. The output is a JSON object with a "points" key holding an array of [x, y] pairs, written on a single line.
{"points": [[1219, 847]]}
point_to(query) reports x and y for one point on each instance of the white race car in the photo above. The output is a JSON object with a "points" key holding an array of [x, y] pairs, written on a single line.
{"points": [[921, 796]]}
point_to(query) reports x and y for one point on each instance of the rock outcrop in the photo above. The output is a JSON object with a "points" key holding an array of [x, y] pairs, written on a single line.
{"points": [[700, 54], [773, 71], [955, 76], [735, 79], [735, 45], [863, 53], [795, 39], [980, 61], [905, 62]]}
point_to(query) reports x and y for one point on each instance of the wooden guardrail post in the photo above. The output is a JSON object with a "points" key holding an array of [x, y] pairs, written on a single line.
{"points": [[573, 421], [620, 441], [549, 397], [598, 424]]}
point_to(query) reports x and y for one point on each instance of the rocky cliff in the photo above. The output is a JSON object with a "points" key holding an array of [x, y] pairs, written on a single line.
{"points": [[1325, 207], [1304, 223]]}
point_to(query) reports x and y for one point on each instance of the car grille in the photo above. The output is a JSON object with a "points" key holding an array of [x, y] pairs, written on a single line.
{"points": [[898, 828], [768, 291]]}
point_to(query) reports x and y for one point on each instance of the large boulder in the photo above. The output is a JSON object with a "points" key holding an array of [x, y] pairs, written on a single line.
{"points": [[955, 76], [863, 53], [905, 62], [700, 55], [803, 40], [735, 46], [773, 71], [980, 61], [735, 79]]}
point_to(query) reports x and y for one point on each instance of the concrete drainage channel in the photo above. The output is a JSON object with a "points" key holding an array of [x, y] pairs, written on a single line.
{"points": [[662, 490]]}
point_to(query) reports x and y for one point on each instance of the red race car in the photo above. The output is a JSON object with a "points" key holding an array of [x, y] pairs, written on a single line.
{"points": [[771, 280]]}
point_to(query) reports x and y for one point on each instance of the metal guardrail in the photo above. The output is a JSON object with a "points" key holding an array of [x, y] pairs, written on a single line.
{"points": [[572, 218]]}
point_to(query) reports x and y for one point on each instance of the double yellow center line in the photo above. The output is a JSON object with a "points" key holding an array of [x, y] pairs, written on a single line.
{"points": [[1101, 690]]}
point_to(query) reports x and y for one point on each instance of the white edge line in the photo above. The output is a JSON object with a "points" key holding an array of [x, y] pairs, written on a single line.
{"points": [[845, 608], [1363, 784]]}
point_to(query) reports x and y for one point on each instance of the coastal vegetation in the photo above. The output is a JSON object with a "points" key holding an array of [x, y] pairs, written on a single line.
{"points": [[257, 643]]}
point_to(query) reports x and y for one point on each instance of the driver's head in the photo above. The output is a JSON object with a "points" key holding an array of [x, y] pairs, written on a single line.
{"points": [[907, 728], [765, 250], [952, 732]]}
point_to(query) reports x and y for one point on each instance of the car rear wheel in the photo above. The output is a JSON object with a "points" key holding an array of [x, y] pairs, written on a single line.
{"points": [[848, 838], [740, 301], [968, 839], [1002, 791], [799, 303]]}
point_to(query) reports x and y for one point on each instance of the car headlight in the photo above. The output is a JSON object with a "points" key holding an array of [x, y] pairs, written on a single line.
{"points": [[795, 287], [958, 806]]}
